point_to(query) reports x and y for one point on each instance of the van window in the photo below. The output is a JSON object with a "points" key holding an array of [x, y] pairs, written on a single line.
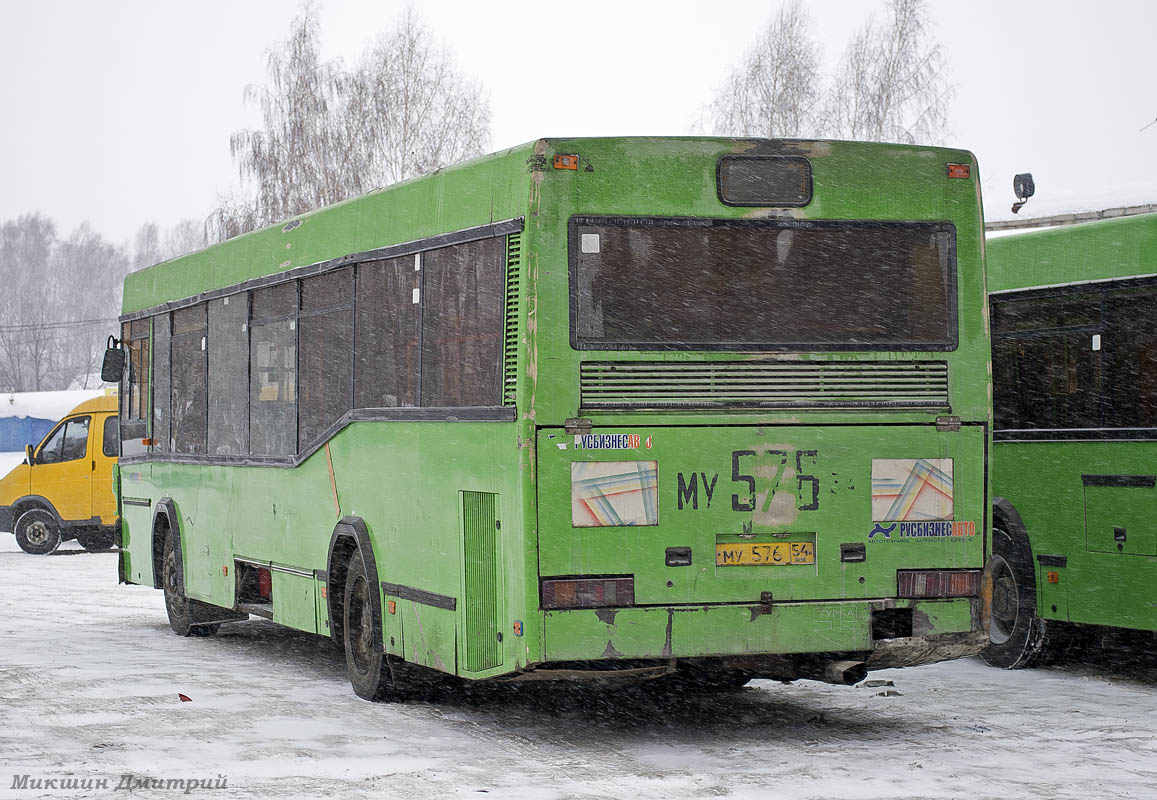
{"points": [[111, 436], [68, 442]]}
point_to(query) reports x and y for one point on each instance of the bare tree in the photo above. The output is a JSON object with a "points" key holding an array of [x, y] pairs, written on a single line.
{"points": [[329, 134], [775, 91], [87, 273], [408, 109], [60, 300], [26, 303], [891, 84], [187, 236], [146, 249]]}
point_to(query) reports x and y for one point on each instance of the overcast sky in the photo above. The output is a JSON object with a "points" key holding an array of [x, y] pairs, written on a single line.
{"points": [[119, 112]]}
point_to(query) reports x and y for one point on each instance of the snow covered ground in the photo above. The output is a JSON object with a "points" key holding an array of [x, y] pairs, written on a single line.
{"points": [[90, 676]]}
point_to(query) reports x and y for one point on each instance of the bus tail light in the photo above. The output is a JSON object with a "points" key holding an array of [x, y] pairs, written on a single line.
{"points": [[588, 592], [959, 170], [938, 583]]}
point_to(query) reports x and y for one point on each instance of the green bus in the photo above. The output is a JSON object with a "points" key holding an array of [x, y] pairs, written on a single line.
{"points": [[697, 408], [1074, 352]]}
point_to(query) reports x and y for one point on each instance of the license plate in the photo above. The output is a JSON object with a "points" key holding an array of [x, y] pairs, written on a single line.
{"points": [[764, 554]]}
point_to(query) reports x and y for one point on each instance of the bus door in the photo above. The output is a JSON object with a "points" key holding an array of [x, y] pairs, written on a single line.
{"points": [[63, 470]]}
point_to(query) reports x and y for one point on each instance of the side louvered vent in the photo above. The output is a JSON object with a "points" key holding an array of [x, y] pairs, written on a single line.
{"points": [[765, 384], [510, 332], [479, 535]]}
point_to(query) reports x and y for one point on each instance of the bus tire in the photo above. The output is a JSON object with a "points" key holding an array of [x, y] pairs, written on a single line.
{"points": [[366, 661], [37, 532], [178, 607], [1016, 636]]}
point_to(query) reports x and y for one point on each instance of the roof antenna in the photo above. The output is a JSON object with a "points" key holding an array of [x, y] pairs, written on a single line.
{"points": [[1023, 188], [1147, 126]]}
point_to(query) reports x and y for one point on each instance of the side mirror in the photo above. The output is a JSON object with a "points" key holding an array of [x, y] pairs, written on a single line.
{"points": [[28, 459], [1023, 188], [113, 367]]}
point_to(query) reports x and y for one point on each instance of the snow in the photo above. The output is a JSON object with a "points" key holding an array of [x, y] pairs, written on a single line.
{"points": [[1047, 204], [43, 405], [90, 675], [8, 461]]}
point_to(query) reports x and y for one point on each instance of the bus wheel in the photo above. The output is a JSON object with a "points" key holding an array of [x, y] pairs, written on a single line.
{"points": [[369, 671], [177, 606], [97, 541], [1016, 634], [37, 532]]}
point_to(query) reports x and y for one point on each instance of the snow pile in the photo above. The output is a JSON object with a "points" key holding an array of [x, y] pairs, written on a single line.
{"points": [[43, 405]]}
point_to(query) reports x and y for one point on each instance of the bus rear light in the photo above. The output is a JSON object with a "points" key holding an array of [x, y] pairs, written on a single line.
{"points": [[588, 592], [959, 171], [566, 161], [938, 583]]}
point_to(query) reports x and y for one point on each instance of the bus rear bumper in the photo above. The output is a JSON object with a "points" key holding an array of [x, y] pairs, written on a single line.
{"points": [[939, 630]]}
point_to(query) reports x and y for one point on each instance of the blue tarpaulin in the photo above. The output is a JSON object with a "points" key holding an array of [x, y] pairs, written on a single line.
{"points": [[15, 432]]}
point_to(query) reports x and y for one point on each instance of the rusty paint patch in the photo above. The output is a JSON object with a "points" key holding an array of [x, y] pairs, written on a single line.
{"points": [[611, 652], [607, 615], [921, 623], [666, 651], [537, 161]]}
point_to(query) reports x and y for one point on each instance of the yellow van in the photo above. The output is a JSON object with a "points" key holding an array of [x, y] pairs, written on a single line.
{"points": [[63, 490]]}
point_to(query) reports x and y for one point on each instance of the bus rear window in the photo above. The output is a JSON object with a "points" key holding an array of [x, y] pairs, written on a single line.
{"points": [[698, 284]]}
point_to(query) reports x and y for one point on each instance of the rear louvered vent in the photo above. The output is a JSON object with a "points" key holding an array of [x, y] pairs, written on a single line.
{"points": [[510, 334], [765, 384]]}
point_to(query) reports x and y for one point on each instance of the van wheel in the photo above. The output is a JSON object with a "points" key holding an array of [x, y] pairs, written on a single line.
{"points": [[37, 532], [369, 670], [95, 542], [177, 606]]}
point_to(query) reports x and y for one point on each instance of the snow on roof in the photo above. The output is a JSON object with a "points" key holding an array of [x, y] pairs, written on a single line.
{"points": [[43, 405], [998, 205]]}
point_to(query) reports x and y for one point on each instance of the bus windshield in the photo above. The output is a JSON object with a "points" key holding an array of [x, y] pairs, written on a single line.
{"points": [[710, 284]]}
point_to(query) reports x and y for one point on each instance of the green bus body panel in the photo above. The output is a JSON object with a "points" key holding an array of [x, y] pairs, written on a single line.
{"points": [[1117, 248], [699, 514], [423, 488], [1099, 584], [693, 631]]}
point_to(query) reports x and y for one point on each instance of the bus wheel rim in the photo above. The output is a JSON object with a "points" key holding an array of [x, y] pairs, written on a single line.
{"points": [[1005, 601], [173, 599]]}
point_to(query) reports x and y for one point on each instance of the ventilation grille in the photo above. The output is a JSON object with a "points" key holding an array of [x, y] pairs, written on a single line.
{"points": [[765, 384], [480, 535], [510, 334]]}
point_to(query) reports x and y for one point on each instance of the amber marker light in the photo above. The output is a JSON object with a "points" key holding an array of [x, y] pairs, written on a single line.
{"points": [[959, 171], [1054, 577], [562, 161]]}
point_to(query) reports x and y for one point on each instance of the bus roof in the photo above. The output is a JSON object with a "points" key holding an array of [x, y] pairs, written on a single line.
{"points": [[1115, 248], [496, 187]]}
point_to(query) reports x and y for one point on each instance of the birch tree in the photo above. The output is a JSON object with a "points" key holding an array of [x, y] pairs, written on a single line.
{"points": [[329, 134], [776, 90], [892, 82]]}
